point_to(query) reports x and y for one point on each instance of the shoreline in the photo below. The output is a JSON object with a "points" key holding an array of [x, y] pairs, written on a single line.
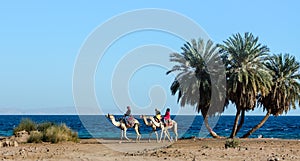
{"points": [[188, 138]]}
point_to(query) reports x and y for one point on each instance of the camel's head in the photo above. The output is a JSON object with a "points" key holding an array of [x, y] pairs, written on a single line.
{"points": [[109, 116]]}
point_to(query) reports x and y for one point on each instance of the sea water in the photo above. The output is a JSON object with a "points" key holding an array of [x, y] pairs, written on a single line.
{"points": [[98, 126]]}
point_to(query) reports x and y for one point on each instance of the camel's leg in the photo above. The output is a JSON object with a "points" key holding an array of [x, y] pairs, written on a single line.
{"points": [[167, 134], [150, 136], [138, 135], [156, 136], [162, 132], [125, 136], [175, 131], [121, 136]]}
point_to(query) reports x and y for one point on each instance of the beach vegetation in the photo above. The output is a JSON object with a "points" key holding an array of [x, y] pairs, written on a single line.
{"points": [[25, 124], [59, 133], [232, 143], [285, 90], [253, 78], [46, 132], [35, 137], [246, 74], [195, 78], [44, 126]]}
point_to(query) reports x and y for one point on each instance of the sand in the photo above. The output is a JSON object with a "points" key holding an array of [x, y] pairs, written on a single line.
{"points": [[189, 149]]}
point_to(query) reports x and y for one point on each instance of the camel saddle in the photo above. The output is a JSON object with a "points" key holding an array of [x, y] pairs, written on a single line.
{"points": [[168, 122], [129, 121]]}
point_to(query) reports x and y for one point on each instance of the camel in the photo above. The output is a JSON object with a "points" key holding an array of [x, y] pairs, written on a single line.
{"points": [[154, 125], [124, 127], [164, 128], [172, 126]]}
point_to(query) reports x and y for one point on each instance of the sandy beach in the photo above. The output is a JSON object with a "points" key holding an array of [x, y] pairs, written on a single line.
{"points": [[188, 149]]}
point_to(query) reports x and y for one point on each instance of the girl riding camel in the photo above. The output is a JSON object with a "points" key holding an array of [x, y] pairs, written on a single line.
{"points": [[167, 117]]}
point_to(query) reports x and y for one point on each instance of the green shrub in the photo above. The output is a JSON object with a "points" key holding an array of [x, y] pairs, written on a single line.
{"points": [[42, 127], [58, 133], [25, 124], [232, 143], [46, 132], [35, 137]]}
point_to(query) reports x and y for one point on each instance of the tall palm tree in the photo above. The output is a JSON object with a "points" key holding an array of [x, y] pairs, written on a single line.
{"points": [[285, 90], [199, 79], [245, 73]]}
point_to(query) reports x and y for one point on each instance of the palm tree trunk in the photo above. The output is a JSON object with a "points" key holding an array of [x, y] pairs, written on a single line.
{"points": [[241, 121], [212, 133], [258, 125], [236, 121]]}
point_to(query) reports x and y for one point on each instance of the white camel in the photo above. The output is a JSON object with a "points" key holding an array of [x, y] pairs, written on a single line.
{"points": [[154, 125], [124, 127], [173, 126], [165, 128]]}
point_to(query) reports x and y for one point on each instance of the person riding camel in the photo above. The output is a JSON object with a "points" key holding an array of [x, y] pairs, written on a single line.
{"points": [[128, 112], [157, 116], [128, 116], [167, 117]]}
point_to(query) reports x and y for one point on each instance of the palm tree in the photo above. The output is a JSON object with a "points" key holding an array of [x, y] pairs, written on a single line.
{"points": [[285, 90], [199, 78], [246, 74]]}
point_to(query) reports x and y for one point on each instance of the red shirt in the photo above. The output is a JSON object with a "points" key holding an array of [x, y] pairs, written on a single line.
{"points": [[167, 116]]}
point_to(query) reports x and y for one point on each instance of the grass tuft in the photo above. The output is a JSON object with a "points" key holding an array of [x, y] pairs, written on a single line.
{"points": [[46, 132], [35, 137], [25, 124], [58, 133], [232, 143]]}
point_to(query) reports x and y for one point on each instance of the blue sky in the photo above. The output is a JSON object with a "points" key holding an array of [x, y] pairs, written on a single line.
{"points": [[40, 42]]}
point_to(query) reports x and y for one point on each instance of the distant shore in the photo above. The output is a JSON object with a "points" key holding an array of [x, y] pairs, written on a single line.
{"points": [[185, 149]]}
